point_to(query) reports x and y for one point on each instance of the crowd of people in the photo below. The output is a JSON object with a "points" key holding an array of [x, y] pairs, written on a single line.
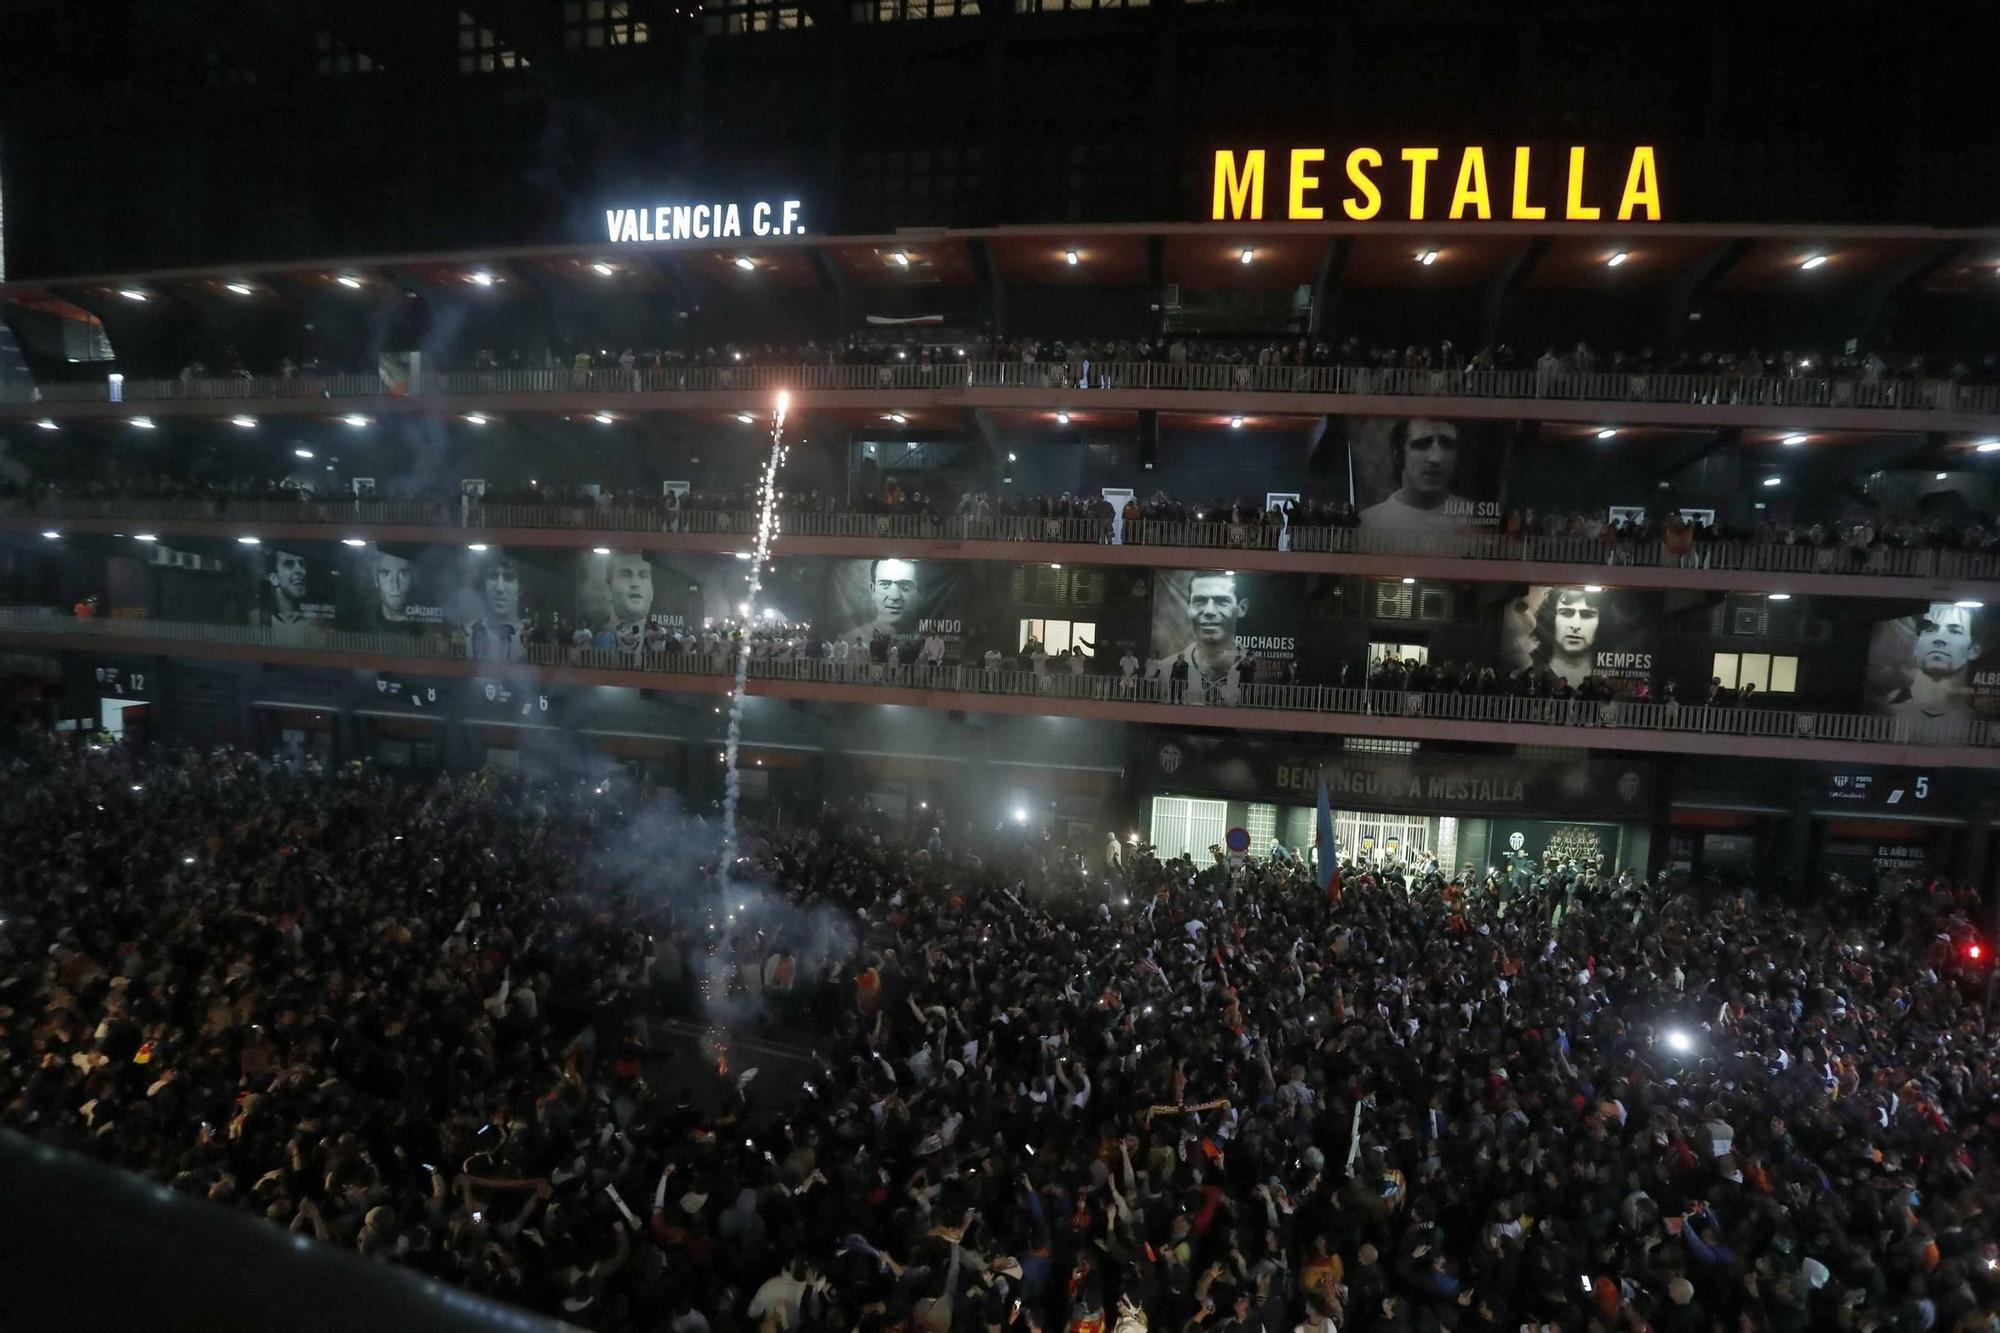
{"points": [[1689, 537], [1049, 1087], [1087, 362]]}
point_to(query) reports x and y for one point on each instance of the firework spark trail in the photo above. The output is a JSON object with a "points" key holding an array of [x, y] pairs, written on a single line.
{"points": [[767, 529]]}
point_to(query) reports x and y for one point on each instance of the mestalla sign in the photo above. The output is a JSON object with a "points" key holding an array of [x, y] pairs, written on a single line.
{"points": [[704, 221]]}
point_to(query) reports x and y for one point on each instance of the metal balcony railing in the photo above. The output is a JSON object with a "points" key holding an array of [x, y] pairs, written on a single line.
{"points": [[1624, 715], [1879, 562], [1800, 392]]}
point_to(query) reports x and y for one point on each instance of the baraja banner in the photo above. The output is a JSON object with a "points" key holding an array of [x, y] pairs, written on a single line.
{"points": [[1289, 774]]}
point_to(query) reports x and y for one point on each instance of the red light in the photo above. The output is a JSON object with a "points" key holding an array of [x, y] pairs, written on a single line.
{"points": [[1974, 951]]}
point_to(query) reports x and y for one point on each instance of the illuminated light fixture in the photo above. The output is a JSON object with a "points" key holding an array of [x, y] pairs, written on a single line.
{"points": [[1062, 418], [1236, 423], [1969, 606], [1055, 566], [302, 453], [1777, 597], [896, 417], [1771, 481], [1617, 259], [602, 418], [474, 419], [47, 424], [745, 418], [1797, 439], [143, 423], [743, 555], [1607, 433], [745, 262], [482, 278], [1811, 262], [53, 535], [144, 537], [241, 288], [355, 420], [1070, 257], [1247, 255], [1680, 1041], [1010, 457], [353, 541], [1986, 446], [1940, 476], [600, 550], [243, 423], [475, 546], [603, 269], [248, 541], [901, 259], [348, 280], [1593, 587], [132, 294], [1407, 581], [1427, 257], [1020, 816]]}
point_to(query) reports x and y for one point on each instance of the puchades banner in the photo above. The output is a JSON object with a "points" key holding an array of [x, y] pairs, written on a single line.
{"points": [[1581, 632], [907, 601], [1941, 660], [1219, 628], [1427, 474]]}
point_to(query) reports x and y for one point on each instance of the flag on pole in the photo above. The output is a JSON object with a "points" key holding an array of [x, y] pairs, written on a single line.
{"points": [[1327, 871]]}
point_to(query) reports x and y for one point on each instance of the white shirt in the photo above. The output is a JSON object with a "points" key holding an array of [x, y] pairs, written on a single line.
{"points": [[1395, 515]]}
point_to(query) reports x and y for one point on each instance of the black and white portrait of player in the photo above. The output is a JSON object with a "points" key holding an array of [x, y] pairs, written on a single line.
{"points": [[1576, 633], [1214, 606], [383, 594], [897, 593], [1926, 666], [494, 602], [1425, 489], [628, 590], [284, 597]]}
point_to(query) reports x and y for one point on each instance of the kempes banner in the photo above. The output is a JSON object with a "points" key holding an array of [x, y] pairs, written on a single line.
{"points": [[1225, 625], [908, 600], [1414, 784], [1578, 633], [1426, 474], [1940, 661]]}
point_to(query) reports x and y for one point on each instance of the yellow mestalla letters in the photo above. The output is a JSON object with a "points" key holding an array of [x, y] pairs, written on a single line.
{"points": [[1523, 210], [1642, 187], [1419, 160], [1471, 188], [1298, 209], [1370, 201], [1236, 188], [1574, 209]]}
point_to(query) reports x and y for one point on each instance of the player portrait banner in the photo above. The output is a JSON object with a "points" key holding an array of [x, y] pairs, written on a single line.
{"points": [[395, 588], [1941, 660], [1226, 627], [1426, 475], [624, 588], [292, 587], [906, 600], [1578, 633]]}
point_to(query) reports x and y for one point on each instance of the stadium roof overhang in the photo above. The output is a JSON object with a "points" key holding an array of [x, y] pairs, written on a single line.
{"points": [[1274, 257]]}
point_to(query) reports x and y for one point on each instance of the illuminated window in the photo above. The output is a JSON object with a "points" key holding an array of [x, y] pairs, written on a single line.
{"points": [[590, 25], [889, 11], [1261, 823], [336, 57], [1771, 674], [1075, 6], [480, 52], [731, 17], [1059, 636]]}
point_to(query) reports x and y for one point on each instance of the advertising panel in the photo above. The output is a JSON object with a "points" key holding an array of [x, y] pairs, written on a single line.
{"points": [[1225, 627], [1426, 474], [1939, 662], [1419, 783], [904, 600], [1578, 632]]}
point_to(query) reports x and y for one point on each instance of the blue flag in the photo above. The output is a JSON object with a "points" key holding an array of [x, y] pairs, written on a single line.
{"points": [[1323, 839]]}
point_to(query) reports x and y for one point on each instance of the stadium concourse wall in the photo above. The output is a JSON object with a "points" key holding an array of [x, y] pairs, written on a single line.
{"points": [[1907, 657]]}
